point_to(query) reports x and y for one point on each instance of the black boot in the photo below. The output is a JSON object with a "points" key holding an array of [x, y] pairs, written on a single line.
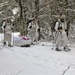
{"points": [[57, 49]]}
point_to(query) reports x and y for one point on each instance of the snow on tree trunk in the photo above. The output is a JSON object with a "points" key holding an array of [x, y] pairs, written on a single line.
{"points": [[23, 26], [37, 13]]}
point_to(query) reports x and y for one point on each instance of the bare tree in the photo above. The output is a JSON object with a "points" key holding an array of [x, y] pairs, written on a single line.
{"points": [[23, 10]]}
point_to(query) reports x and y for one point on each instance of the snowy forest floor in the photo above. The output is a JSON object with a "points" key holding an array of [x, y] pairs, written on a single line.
{"points": [[36, 60]]}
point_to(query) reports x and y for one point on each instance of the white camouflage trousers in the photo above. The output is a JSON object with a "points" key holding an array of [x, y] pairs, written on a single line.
{"points": [[7, 38], [61, 38]]}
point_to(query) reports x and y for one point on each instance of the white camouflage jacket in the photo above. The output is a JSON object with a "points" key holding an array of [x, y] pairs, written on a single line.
{"points": [[7, 27]]}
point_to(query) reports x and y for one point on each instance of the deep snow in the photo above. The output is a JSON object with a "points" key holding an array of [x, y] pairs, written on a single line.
{"points": [[36, 60]]}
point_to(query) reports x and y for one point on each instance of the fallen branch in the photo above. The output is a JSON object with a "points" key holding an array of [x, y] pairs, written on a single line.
{"points": [[66, 70]]}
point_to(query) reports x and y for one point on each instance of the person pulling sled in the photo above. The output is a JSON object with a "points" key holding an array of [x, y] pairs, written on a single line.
{"points": [[7, 30]]}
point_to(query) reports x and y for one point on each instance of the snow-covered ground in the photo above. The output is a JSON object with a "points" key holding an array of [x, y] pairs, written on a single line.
{"points": [[36, 60]]}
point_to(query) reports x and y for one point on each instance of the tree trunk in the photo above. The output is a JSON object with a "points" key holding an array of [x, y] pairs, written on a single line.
{"points": [[37, 14], [66, 7], [31, 8], [49, 9], [23, 26]]}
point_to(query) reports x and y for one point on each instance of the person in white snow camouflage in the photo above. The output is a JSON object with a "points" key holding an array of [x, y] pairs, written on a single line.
{"points": [[33, 31], [61, 37], [7, 29]]}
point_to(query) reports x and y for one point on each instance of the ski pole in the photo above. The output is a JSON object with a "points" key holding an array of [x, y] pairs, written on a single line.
{"points": [[4, 36], [1, 38], [13, 34]]}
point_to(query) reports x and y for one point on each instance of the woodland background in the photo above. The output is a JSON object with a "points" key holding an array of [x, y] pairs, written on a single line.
{"points": [[45, 11]]}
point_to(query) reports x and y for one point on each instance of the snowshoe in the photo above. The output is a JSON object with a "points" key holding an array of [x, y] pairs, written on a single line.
{"points": [[57, 49], [66, 49], [10, 45]]}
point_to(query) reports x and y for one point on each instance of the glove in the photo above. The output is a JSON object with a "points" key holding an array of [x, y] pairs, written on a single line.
{"points": [[66, 30], [4, 26], [39, 29], [30, 27], [13, 24], [59, 28]]}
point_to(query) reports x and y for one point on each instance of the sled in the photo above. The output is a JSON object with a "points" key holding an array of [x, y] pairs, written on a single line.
{"points": [[22, 41]]}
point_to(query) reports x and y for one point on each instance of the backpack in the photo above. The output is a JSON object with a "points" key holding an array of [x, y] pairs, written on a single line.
{"points": [[53, 25]]}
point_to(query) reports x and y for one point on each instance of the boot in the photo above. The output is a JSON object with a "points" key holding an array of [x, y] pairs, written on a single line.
{"points": [[10, 45], [57, 49], [32, 43]]}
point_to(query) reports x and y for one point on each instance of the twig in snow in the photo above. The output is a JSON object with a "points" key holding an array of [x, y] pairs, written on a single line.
{"points": [[19, 72], [66, 70]]}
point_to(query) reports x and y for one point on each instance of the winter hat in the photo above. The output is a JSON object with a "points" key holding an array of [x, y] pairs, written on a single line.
{"points": [[62, 17]]}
